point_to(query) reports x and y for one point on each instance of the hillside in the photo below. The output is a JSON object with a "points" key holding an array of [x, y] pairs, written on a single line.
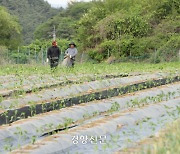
{"points": [[65, 21], [123, 30], [132, 29], [10, 30], [31, 13]]}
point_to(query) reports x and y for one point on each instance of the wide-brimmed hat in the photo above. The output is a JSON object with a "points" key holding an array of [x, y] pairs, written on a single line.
{"points": [[72, 43]]}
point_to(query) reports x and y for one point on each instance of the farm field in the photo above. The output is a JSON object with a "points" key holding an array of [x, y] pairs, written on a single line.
{"points": [[92, 108], [90, 77], [165, 140]]}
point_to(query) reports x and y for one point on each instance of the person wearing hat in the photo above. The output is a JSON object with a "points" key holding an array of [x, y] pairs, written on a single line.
{"points": [[53, 55], [72, 52]]}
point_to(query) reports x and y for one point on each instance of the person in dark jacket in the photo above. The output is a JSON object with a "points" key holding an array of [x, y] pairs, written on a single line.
{"points": [[53, 55], [72, 52]]}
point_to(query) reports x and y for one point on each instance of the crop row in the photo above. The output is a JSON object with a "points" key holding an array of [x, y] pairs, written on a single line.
{"points": [[45, 124], [33, 108]]}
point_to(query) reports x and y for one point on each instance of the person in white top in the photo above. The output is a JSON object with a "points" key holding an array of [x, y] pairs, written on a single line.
{"points": [[72, 52]]}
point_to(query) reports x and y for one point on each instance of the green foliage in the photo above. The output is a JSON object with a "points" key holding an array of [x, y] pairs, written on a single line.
{"points": [[167, 7], [170, 50], [65, 22], [76, 9], [34, 52], [115, 107], [94, 54], [126, 43], [119, 28], [38, 45], [113, 26], [31, 13], [86, 26], [89, 68], [64, 28], [134, 28], [109, 47], [141, 46], [167, 140], [10, 30]]}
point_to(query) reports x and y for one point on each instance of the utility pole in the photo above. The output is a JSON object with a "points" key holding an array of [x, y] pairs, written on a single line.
{"points": [[54, 34]]}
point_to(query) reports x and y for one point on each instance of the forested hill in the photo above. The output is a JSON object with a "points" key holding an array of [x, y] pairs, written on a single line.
{"points": [[118, 29], [31, 13], [64, 21]]}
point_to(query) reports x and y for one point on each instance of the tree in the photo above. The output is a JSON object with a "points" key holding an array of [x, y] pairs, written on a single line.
{"points": [[130, 28], [31, 13], [10, 30], [65, 21]]}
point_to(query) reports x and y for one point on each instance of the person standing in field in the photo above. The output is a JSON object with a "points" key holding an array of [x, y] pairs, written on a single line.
{"points": [[53, 55], [72, 52]]}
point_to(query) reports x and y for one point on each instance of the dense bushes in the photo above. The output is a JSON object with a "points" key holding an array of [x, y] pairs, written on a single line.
{"points": [[45, 44], [123, 29], [131, 29], [113, 27]]}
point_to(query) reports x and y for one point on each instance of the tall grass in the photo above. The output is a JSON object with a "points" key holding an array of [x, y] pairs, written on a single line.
{"points": [[167, 143], [89, 68]]}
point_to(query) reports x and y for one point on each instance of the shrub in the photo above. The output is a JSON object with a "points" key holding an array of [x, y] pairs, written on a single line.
{"points": [[126, 44], [116, 25], [108, 48], [171, 48], [95, 54]]}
